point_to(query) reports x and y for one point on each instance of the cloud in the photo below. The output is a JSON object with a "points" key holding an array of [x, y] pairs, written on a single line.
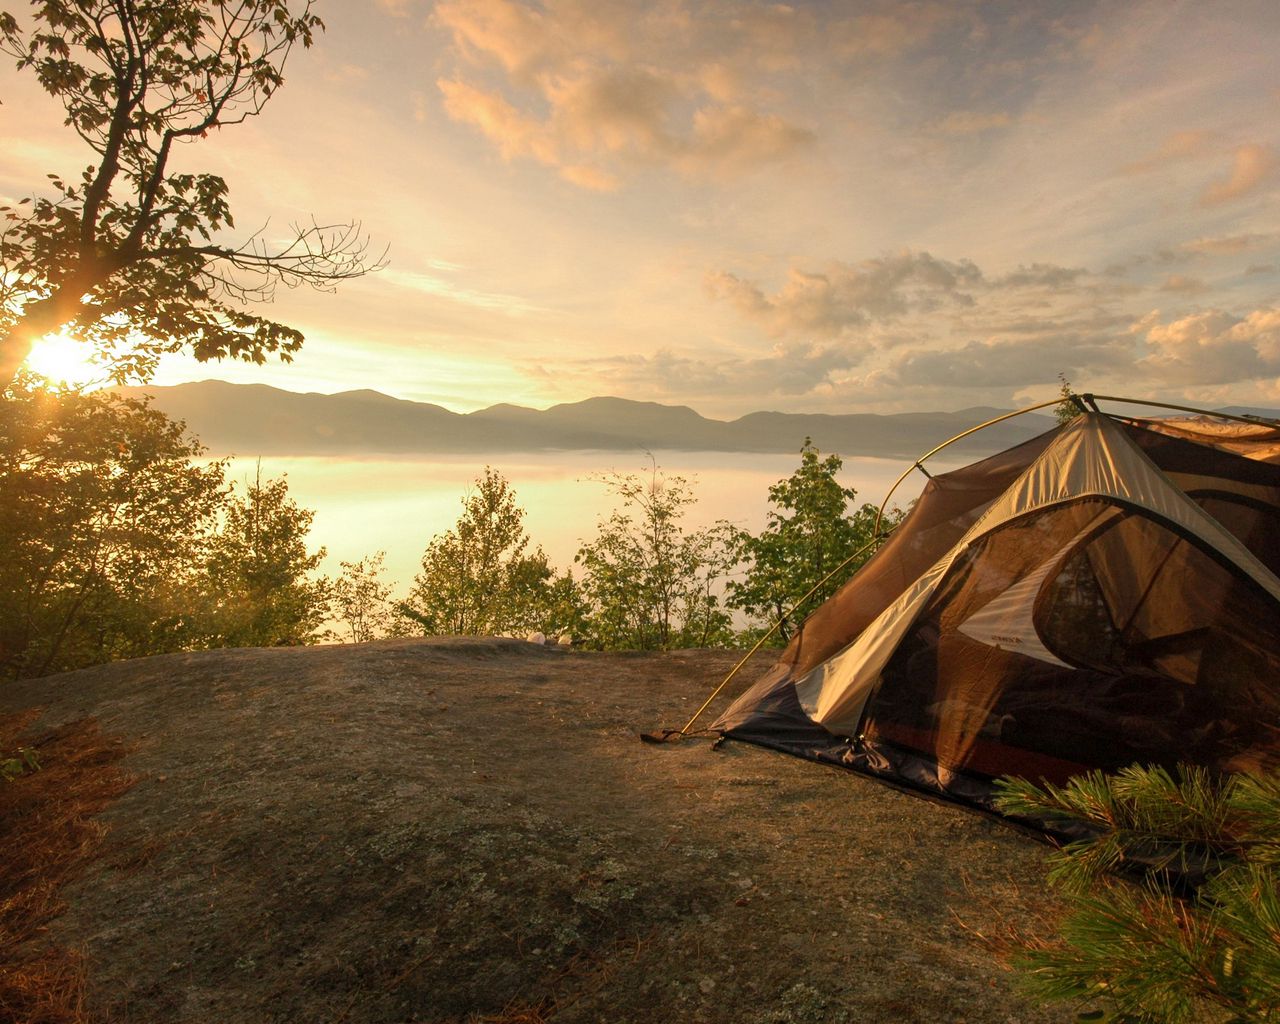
{"points": [[591, 178], [522, 39], [1229, 244], [1007, 363], [1179, 146], [440, 287], [735, 139], [512, 132], [844, 296], [1212, 347], [792, 370], [1253, 166], [1181, 284], [602, 90], [1202, 248], [347, 73], [613, 110], [622, 118], [1042, 275]]}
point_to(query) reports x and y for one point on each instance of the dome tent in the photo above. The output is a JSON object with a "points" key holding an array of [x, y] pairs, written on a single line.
{"points": [[1103, 594]]}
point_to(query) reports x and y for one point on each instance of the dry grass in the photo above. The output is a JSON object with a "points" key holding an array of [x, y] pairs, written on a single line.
{"points": [[1005, 935], [521, 1012], [585, 973], [48, 835]]}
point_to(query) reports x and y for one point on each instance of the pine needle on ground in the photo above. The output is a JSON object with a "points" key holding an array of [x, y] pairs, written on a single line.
{"points": [[49, 835]]}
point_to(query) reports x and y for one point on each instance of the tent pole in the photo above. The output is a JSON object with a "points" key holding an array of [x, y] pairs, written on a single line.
{"points": [[773, 629], [1078, 400], [1255, 420], [934, 451]]}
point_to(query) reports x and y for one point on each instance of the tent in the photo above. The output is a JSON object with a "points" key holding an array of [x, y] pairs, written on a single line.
{"points": [[1103, 594]]}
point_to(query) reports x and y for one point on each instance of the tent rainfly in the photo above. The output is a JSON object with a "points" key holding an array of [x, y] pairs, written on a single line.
{"points": [[1103, 594]]}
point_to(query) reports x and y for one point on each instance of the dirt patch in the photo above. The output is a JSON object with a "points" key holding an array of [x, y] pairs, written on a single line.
{"points": [[454, 830]]}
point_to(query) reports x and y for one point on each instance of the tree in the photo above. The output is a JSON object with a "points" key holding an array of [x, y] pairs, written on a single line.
{"points": [[809, 533], [1068, 407], [1150, 954], [650, 584], [104, 517], [478, 579], [130, 255], [362, 600], [260, 587]]}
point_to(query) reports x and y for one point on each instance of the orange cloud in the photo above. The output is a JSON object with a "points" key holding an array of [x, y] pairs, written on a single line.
{"points": [[1229, 244], [500, 122], [1177, 147], [520, 38], [1213, 347], [1253, 166], [1181, 283], [591, 178], [598, 89]]}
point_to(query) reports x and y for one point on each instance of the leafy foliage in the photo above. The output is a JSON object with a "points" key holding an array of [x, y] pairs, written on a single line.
{"points": [[1067, 408], [104, 516], [261, 591], [479, 578], [22, 761], [649, 584], [129, 255], [808, 535], [361, 600], [1146, 953]]}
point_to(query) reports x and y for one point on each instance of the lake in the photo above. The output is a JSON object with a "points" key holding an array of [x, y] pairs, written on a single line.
{"points": [[397, 504]]}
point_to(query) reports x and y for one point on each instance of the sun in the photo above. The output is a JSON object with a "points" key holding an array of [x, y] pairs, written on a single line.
{"points": [[62, 360]]}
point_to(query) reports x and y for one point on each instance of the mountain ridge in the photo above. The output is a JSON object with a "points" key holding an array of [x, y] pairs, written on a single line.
{"points": [[257, 419]]}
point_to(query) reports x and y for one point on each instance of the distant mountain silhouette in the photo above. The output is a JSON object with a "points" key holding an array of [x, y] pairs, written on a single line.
{"points": [[253, 419], [1252, 410]]}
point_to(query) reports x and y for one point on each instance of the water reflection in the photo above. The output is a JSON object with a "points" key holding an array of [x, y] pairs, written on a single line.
{"points": [[397, 504]]}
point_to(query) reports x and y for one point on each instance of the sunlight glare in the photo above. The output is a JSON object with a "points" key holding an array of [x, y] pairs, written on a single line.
{"points": [[62, 360]]}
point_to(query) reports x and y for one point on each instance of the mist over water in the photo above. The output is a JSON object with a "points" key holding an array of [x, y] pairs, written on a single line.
{"points": [[397, 505]]}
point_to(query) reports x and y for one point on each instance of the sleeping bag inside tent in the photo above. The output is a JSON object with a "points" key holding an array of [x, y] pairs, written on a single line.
{"points": [[1103, 594]]}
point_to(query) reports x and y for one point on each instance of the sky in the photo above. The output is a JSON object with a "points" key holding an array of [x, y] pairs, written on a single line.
{"points": [[844, 207]]}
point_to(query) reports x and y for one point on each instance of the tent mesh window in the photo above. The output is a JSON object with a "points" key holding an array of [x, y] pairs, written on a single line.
{"points": [[948, 506], [1068, 638], [1115, 627]]}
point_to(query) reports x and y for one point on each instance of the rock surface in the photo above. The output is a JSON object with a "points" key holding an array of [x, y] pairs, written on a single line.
{"points": [[469, 830]]}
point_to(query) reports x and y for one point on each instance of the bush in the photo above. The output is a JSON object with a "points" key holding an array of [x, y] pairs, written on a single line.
{"points": [[1197, 939]]}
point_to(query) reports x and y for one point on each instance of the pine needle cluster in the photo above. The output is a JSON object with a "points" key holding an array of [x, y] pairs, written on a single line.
{"points": [[1197, 938]]}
